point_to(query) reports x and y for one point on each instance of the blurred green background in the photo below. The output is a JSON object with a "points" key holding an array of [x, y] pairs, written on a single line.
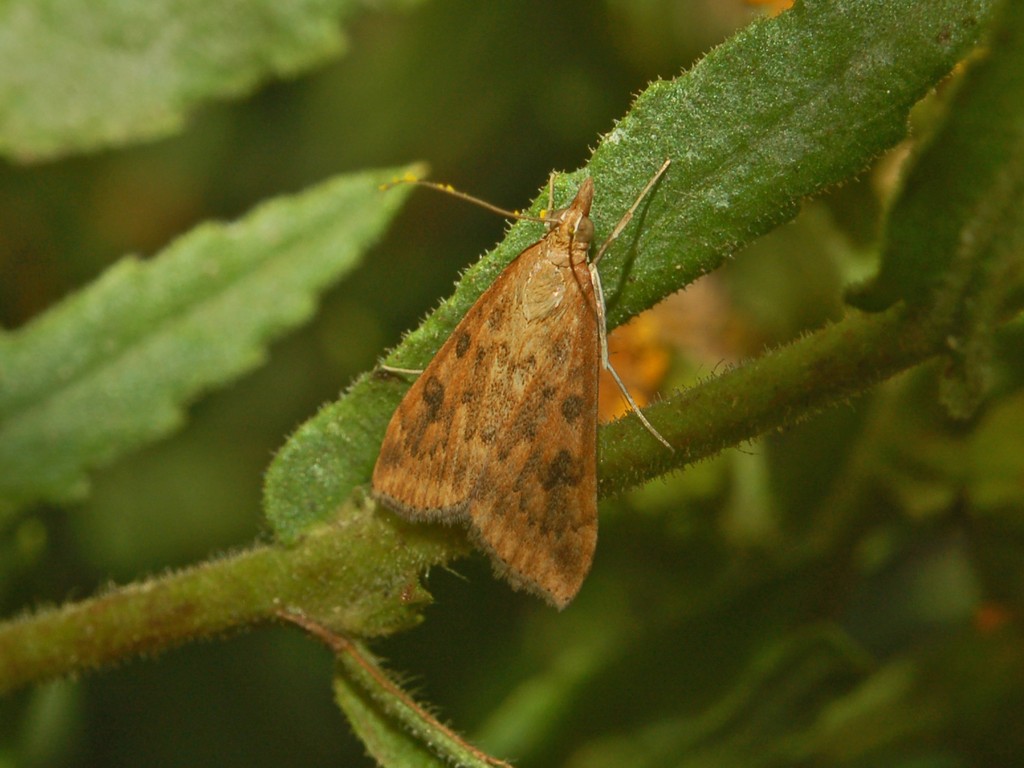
{"points": [[712, 625]]}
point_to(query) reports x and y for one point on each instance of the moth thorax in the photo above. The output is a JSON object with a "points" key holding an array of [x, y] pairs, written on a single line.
{"points": [[543, 290]]}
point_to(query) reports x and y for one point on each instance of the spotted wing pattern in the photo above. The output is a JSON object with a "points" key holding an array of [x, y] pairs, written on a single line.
{"points": [[500, 430]]}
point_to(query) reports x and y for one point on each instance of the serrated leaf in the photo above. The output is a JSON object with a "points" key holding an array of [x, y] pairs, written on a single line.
{"points": [[971, 170], [780, 112], [786, 108], [955, 236], [112, 367], [80, 76]]}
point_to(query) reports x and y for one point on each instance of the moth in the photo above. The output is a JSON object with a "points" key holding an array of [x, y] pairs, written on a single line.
{"points": [[499, 432]]}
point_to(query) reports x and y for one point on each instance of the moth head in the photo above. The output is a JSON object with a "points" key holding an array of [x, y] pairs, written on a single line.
{"points": [[574, 220]]}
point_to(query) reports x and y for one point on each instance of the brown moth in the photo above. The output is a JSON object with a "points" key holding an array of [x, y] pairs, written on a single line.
{"points": [[500, 431]]}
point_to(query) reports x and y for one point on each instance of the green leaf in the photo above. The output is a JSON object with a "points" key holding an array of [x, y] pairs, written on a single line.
{"points": [[396, 730], [76, 77], [971, 170], [955, 236], [783, 110], [786, 108], [112, 367], [385, 741]]}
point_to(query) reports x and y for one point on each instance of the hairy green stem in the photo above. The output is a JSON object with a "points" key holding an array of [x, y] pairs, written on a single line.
{"points": [[774, 391], [359, 575]]}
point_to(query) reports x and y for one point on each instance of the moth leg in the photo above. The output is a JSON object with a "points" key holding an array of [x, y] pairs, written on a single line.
{"points": [[402, 371], [602, 335], [628, 216]]}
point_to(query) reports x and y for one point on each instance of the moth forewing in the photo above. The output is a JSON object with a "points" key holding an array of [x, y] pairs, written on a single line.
{"points": [[500, 430]]}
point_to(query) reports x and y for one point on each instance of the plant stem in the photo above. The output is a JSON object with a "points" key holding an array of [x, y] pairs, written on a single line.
{"points": [[360, 575]]}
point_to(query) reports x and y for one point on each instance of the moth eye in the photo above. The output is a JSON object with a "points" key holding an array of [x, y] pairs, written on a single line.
{"points": [[585, 230]]}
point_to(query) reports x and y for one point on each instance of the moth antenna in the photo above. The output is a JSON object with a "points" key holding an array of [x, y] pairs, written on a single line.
{"points": [[448, 189], [632, 209]]}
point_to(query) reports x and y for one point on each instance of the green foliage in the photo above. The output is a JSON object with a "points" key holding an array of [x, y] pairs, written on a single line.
{"points": [[111, 368], [395, 729], [967, 262], [737, 171], [116, 71], [843, 592]]}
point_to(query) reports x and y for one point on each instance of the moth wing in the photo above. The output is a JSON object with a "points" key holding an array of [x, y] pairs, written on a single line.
{"points": [[501, 430], [534, 507], [441, 434]]}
